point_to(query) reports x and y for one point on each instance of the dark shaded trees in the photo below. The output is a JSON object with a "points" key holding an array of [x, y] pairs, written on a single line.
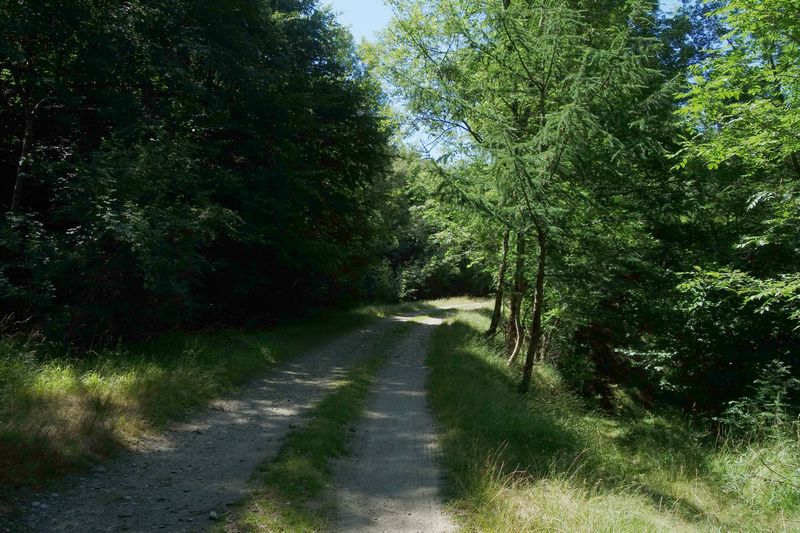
{"points": [[178, 163]]}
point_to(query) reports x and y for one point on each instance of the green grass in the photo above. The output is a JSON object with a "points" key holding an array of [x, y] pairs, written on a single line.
{"points": [[60, 413], [290, 492], [548, 462], [438, 308]]}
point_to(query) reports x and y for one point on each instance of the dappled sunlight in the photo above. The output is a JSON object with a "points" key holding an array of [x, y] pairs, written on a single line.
{"points": [[66, 414], [206, 461], [393, 480], [114, 398], [441, 308], [57, 420], [557, 505], [556, 465], [418, 319]]}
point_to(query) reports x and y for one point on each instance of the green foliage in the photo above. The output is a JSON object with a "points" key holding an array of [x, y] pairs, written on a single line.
{"points": [[736, 311], [723, 337], [546, 462], [563, 129], [744, 97], [577, 369], [169, 173], [433, 248], [171, 165], [547, 119], [767, 410]]}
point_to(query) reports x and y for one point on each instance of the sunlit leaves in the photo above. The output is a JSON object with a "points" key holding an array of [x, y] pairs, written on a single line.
{"points": [[744, 98]]}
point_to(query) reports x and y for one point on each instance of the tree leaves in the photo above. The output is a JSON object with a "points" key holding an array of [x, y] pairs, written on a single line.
{"points": [[200, 159]]}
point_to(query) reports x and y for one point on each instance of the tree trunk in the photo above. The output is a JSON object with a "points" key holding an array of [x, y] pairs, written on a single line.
{"points": [[513, 336], [545, 344], [536, 323], [498, 299], [19, 183], [796, 164]]}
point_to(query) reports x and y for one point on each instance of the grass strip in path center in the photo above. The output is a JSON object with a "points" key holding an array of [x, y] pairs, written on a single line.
{"points": [[290, 491]]}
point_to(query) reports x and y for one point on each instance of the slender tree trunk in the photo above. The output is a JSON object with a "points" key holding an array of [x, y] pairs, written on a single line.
{"points": [[795, 164], [523, 319], [19, 183], [536, 323], [498, 299], [545, 344], [513, 336]]}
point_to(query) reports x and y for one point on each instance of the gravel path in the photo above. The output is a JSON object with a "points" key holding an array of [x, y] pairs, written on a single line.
{"points": [[183, 479], [392, 481], [175, 482]]}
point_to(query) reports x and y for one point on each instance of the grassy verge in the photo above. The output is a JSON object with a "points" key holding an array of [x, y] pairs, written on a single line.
{"points": [[546, 462], [290, 491], [61, 412]]}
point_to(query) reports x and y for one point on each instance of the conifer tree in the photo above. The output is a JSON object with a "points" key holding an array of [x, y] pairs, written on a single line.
{"points": [[539, 91]]}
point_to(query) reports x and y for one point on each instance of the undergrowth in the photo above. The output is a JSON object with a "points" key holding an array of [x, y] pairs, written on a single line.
{"points": [[549, 462]]}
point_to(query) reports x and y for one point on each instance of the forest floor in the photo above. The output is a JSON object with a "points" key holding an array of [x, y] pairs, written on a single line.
{"points": [[202, 470]]}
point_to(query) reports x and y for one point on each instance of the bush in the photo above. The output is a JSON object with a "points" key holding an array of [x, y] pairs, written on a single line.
{"points": [[767, 410]]}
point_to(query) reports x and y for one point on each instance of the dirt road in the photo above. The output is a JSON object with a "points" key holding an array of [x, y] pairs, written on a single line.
{"points": [[392, 481], [175, 482], [184, 479]]}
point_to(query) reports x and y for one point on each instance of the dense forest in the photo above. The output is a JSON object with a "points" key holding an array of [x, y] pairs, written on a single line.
{"points": [[636, 176], [175, 164], [623, 182]]}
